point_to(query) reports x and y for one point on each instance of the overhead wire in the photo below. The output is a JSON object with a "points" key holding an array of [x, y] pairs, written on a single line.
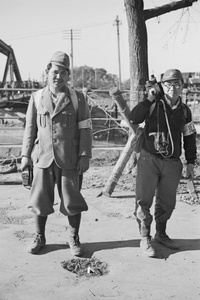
{"points": [[53, 31]]}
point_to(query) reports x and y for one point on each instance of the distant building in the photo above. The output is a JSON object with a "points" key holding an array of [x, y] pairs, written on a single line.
{"points": [[192, 79], [191, 90]]}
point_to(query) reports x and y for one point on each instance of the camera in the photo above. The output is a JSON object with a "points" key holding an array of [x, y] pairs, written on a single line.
{"points": [[159, 93], [27, 177], [161, 143], [161, 147]]}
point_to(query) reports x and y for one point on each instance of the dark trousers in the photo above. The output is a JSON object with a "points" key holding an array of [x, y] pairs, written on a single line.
{"points": [[42, 192], [160, 178]]}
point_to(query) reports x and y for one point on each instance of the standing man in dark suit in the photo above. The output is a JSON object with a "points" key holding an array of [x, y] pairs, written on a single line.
{"points": [[58, 142], [168, 130]]}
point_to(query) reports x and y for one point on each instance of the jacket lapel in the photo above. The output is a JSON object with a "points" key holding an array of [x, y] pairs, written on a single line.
{"points": [[47, 103], [62, 102]]}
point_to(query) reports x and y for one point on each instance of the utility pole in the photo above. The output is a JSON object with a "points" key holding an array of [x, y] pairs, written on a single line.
{"points": [[71, 34], [96, 78], [82, 74], [117, 23], [72, 59]]}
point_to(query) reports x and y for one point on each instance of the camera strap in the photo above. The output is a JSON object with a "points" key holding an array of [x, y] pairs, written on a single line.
{"points": [[168, 127]]}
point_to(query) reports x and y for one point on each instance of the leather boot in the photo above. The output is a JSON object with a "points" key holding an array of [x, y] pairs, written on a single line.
{"points": [[74, 243], [146, 242], [39, 240], [162, 238]]}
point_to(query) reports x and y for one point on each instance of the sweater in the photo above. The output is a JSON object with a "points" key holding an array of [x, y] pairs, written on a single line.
{"points": [[180, 134]]}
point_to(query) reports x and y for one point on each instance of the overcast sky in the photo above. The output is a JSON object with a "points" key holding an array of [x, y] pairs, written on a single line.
{"points": [[35, 30]]}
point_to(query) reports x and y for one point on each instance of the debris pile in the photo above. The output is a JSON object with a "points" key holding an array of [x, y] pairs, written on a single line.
{"points": [[89, 267], [192, 200]]}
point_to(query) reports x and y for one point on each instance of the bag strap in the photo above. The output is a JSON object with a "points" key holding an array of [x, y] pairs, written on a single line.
{"points": [[169, 130], [38, 96], [74, 99], [152, 108]]}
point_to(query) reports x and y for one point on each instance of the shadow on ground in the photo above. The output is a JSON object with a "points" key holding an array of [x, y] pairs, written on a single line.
{"points": [[52, 247], [162, 251]]}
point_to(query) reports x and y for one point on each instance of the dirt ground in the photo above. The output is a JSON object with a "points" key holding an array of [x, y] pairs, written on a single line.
{"points": [[108, 233]]}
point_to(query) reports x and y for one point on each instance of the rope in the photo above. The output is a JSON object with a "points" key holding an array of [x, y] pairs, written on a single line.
{"points": [[122, 111], [11, 158], [107, 114]]}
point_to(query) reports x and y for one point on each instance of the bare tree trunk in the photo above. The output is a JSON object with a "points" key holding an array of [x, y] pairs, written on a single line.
{"points": [[138, 50]]}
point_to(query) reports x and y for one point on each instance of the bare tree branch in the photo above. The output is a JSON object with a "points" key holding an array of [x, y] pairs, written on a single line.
{"points": [[173, 30], [155, 12]]}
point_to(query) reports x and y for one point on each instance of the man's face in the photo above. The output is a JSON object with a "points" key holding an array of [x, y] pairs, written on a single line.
{"points": [[172, 89], [57, 77]]}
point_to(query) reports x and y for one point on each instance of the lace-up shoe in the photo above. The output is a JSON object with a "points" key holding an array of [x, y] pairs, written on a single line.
{"points": [[146, 247], [163, 239], [75, 246], [37, 244]]}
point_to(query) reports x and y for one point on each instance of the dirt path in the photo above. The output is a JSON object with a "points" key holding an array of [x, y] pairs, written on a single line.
{"points": [[108, 233]]}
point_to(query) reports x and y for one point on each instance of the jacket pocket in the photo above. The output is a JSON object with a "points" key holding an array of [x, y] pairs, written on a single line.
{"points": [[68, 119], [42, 118]]}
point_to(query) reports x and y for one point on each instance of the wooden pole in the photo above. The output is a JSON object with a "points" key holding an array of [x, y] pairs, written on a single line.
{"points": [[119, 167], [122, 107], [127, 151]]}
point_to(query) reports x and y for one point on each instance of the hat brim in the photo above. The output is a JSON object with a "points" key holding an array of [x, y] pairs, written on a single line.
{"points": [[170, 79], [59, 64]]}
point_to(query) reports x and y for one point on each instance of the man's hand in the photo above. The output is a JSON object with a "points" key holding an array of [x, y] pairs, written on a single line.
{"points": [[155, 89], [151, 94], [190, 171], [83, 164], [25, 162]]}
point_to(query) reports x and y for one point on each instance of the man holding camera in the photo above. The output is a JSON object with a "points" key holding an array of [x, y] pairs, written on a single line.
{"points": [[168, 121]]}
